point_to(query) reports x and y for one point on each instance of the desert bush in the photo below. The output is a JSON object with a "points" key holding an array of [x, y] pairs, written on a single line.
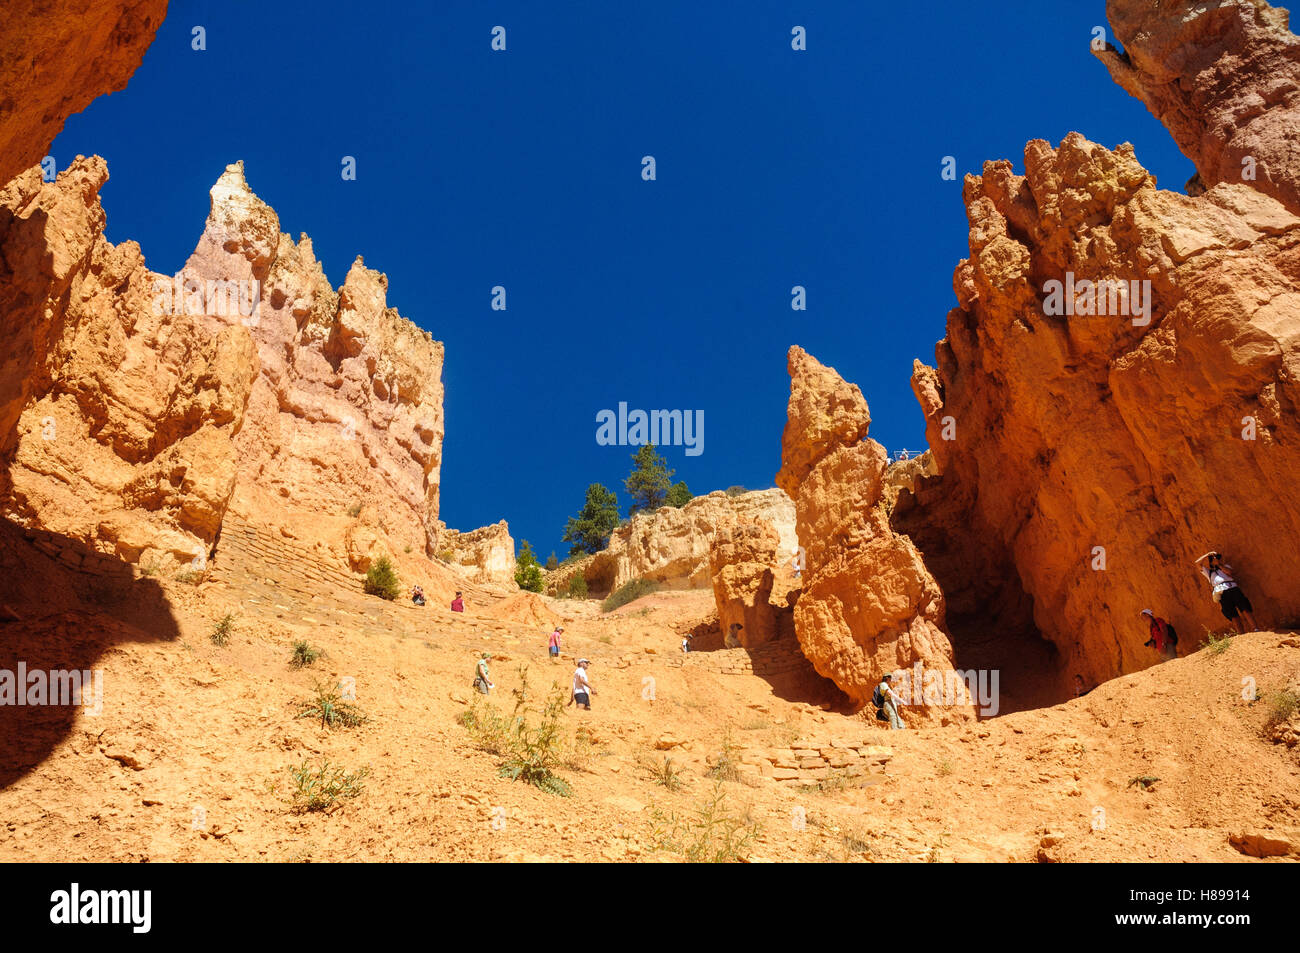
{"points": [[712, 833], [724, 764], [531, 743], [666, 773], [528, 574], [354, 510], [332, 710], [381, 579], [223, 630], [576, 588], [1282, 705], [1217, 644], [735, 490], [628, 592], [303, 655], [322, 788]]}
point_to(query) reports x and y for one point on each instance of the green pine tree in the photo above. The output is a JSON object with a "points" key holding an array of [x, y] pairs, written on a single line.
{"points": [[528, 574], [678, 494], [589, 531], [649, 481]]}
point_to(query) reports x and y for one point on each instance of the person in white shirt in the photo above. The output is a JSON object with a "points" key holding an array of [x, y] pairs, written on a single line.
{"points": [[1234, 605], [582, 690], [889, 702]]}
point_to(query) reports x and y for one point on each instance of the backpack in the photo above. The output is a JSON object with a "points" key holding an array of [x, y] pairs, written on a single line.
{"points": [[1172, 634], [878, 698]]}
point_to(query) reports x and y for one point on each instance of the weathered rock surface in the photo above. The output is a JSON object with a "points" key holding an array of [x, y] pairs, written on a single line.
{"points": [[742, 562], [1101, 453], [1224, 78], [58, 55], [868, 605], [671, 544], [487, 552], [136, 408]]}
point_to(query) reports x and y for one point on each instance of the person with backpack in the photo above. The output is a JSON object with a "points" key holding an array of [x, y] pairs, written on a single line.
{"points": [[1164, 637], [1234, 605], [482, 680], [887, 702]]}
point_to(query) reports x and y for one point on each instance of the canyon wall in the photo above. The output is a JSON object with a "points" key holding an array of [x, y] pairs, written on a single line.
{"points": [[58, 55]]}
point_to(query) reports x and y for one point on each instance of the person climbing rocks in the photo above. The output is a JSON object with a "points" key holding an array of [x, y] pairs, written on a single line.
{"points": [[483, 680], [582, 690], [1164, 637], [732, 640], [887, 702], [553, 644], [458, 604], [417, 595], [1234, 605]]}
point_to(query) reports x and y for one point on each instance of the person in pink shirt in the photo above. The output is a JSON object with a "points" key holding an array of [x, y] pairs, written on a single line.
{"points": [[458, 604], [553, 645]]}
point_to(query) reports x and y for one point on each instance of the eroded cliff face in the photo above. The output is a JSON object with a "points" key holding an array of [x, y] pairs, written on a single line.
{"points": [[136, 408], [1224, 78], [58, 55], [1095, 454], [486, 553], [868, 604]]}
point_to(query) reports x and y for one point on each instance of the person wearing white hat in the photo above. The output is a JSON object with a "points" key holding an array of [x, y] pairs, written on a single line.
{"points": [[582, 690], [1234, 605]]}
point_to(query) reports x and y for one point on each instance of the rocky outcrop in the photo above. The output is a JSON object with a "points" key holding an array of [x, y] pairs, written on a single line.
{"points": [[671, 544], [1096, 453], [868, 605], [1224, 78], [136, 408], [487, 552], [741, 565], [58, 55]]}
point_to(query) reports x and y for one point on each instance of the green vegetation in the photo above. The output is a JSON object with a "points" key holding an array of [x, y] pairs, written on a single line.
{"points": [[575, 588], [528, 574], [735, 490], [381, 579], [649, 481], [1281, 706], [332, 710], [354, 510], [1217, 644], [628, 592], [531, 743], [1144, 781], [724, 763], [223, 630], [678, 494], [712, 833], [588, 532], [666, 775], [303, 655], [551, 561], [322, 788]]}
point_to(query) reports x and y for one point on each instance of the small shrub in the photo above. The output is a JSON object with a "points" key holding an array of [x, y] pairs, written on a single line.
{"points": [[666, 775], [628, 592], [533, 749], [945, 768], [1217, 644], [1145, 781], [354, 510], [1281, 706], [381, 579], [735, 490], [322, 788], [576, 588], [839, 779], [332, 710], [712, 833], [303, 655], [528, 574], [192, 576], [223, 630], [724, 766]]}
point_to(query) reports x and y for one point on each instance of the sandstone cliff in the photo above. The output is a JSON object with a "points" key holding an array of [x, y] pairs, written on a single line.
{"points": [[671, 544], [868, 604], [488, 553], [742, 561], [58, 55]]}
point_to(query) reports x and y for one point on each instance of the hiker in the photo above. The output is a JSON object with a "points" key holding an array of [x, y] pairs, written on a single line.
{"points": [[482, 680], [1234, 605], [1079, 689], [553, 645], [582, 690], [417, 595], [887, 703], [458, 604], [686, 642], [1164, 638], [732, 640]]}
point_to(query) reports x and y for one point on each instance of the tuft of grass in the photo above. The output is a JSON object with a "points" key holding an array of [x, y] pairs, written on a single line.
{"points": [[1145, 781], [324, 787], [724, 767], [945, 768], [1217, 644], [531, 743], [191, 576], [628, 592], [840, 779], [303, 655], [666, 774], [222, 631], [1282, 705], [354, 510], [713, 832], [332, 710], [381, 579]]}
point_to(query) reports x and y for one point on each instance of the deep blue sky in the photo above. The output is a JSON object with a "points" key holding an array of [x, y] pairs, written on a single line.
{"points": [[523, 169]]}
